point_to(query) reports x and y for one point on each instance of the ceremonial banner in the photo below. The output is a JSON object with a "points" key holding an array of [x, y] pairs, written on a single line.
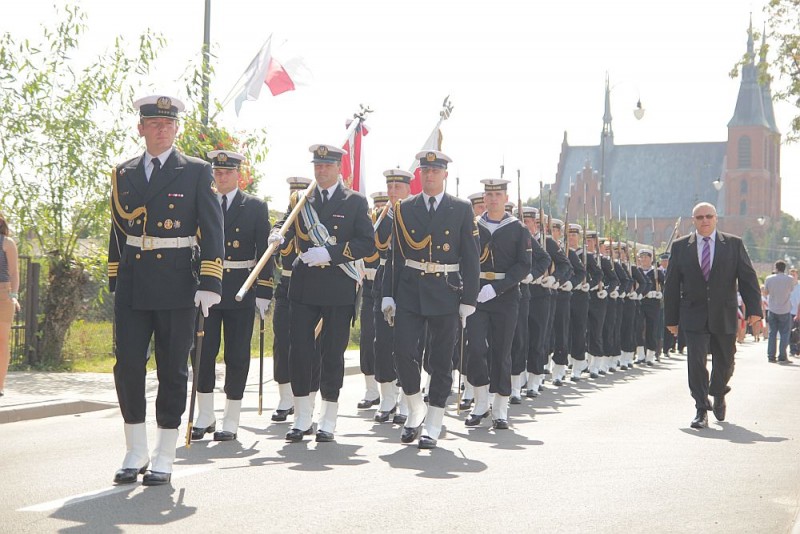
{"points": [[353, 160]]}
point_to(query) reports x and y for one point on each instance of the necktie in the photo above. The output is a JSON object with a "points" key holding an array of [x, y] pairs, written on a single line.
{"points": [[705, 261], [431, 206], [224, 205], [324, 196], [156, 168]]}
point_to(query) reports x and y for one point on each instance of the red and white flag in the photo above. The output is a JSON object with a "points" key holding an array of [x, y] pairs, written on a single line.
{"points": [[271, 67], [434, 142], [353, 160]]}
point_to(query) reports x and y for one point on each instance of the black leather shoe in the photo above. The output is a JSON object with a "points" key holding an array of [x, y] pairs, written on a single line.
{"points": [[280, 415], [601, 372], [466, 404], [701, 420], [296, 435], [514, 400], [200, 432], [224, 435], [623, 367], [558, 382], [426, 442], [719, 408], [154, 478], [399, 419], [324, 437], [575, 378], [531, 393], [383, 417], [594, 375], [425, 399], [649, 364], [365, 404], [410, 434], [129, 475], [612, 369], [475, 419], [500, 424]]}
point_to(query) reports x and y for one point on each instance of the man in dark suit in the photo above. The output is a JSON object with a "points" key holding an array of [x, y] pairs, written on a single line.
{"points": [[700, 298], [431, 278], [163, 206], [246, 229]]}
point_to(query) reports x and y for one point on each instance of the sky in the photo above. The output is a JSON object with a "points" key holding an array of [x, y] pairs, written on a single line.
{"points": [[519, 74]]}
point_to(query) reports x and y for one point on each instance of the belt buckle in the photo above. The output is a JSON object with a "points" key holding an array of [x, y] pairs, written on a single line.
{"points": [[147, 242], [488, 276], [430, 267]]}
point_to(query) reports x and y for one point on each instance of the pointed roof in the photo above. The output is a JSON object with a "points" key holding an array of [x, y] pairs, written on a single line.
{"points": [[750, 102], [766, 91]]}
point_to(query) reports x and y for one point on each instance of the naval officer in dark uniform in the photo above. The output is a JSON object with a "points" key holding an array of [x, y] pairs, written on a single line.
{"points": [[434, 282], [562, 299], [506, 254], [579, 301], [164, 260], [651, 305], [246, 220], [597, 305], [333, 232]]}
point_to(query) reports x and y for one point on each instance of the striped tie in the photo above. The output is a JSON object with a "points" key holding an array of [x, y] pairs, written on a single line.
{"points": [[705, 262]]}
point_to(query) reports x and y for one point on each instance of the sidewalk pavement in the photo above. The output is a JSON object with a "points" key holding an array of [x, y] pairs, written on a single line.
{"points": [[35, 395]]}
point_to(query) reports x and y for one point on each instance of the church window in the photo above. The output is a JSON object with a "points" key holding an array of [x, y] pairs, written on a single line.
{"points": [[744, 152], [743, 187], [743, 207]]}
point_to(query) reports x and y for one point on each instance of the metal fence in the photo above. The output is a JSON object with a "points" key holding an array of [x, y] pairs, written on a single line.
{"points": [[24, 329]]}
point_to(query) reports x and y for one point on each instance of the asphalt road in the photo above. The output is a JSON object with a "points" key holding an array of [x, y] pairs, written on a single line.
{"points": [[610, 455]]}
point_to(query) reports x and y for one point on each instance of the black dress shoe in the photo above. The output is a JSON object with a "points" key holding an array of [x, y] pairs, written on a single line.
{"points": [[719, 408], [154, 478], [224, 435], [466, 404], [612, 369], [426, 442], [601, 372], [425, 399], [280, 415], [575, 378], [649, 364], [500, 424], [383, 417], [399, 419], [365, 404], [541, 388], [594, 375], [623, 367], [199, 432], [128, 475], [558, 382], [324, 437], [701, 419], [531, 393], [514, 400], [296, 435], [475, 419], [410, 434]]}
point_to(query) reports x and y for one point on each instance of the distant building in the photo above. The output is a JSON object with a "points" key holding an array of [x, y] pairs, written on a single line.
{"points": [[740, 176]]}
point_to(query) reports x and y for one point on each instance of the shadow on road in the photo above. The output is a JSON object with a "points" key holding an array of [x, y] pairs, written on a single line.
{"points": [[206, 451], [311, 456], [154, 507], [733, 433], [437, 463]]}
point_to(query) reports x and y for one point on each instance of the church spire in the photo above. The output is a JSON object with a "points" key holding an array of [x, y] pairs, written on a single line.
{"points": [[764, 82], [608, 132], [750, 102]]}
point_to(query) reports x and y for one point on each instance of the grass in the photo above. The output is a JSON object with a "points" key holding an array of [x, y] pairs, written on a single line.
{"points": [[89, 347]]}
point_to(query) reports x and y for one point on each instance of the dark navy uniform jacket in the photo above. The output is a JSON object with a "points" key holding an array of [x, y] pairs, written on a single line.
{"points": [[610, 280], [508, 250]]}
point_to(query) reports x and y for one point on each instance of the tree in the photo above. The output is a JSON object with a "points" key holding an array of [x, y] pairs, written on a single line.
{"points": [[60, 131]]}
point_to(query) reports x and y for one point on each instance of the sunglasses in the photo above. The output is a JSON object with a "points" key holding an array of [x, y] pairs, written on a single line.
{"points": [[708, 216]]}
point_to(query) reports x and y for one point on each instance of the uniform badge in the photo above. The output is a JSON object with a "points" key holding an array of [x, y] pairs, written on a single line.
{"points": [[430, 156], [168, 224], [446, 247], [130, 222], [322, 151], [177, 224], [332, 240], [222, 157], [164, 102], [236, 244]]}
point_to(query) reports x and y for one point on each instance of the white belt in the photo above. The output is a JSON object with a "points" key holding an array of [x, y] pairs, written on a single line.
{"points": [[369, 273], [245, 264], [151, 243], [430, 267], [492, 276], [286, 272], [383, 262]]}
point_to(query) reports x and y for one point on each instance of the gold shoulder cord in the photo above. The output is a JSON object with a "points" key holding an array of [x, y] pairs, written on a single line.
{"points": [[288, 248], [297, 229], [385, 245], [372, 258], [485, 253], [416, 245], [118, 206]]}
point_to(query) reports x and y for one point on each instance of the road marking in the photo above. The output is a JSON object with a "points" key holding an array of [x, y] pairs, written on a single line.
{"points": [[89, 495]]}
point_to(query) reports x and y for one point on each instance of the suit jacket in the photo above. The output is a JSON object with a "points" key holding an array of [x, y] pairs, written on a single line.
{"points": [[246, 231], [453, 239], [346, 216], [699, 306], [179, 201]]}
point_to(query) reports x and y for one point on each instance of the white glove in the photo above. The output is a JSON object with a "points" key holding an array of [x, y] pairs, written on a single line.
{"points": [[651, 294], [585, 287], [464, 311], [614, 294], [539, 280], [659, 294], [528, 279], [640, 296], [632, 295], [487, 293], [316, 256], [549, 282], [262, 305], [206, 299], [388, 308], [566, 286], [602, 294], [595, 288], [275, 237]]}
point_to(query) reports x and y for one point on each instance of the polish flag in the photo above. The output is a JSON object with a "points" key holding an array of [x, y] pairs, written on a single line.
{"points": [[434, 142], [353, 160], [275, 69]]}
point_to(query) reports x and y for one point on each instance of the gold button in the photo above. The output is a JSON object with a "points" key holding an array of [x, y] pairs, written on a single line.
{"points": [[447, 232], [229, 243], [422, 274], [438, 274], [438, 246], [229, 258], [160, 224], [138, 222], [172, 206], [138, 256], [227, 270], [335, 227], [158, 256], [412, 231], [126, 206], [237, 229]]}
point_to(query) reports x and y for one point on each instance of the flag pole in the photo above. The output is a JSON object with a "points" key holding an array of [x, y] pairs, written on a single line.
{"points": [[206, 66]]}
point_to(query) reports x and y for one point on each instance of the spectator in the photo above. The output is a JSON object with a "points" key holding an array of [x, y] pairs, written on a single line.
{"points": [[794, 348], [9, 293], [764, 310], [778, 288]]}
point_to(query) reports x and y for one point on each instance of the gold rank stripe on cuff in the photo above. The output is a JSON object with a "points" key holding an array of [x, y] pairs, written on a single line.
{"points": [[266, 283], [211, 268], [112, 269]]}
